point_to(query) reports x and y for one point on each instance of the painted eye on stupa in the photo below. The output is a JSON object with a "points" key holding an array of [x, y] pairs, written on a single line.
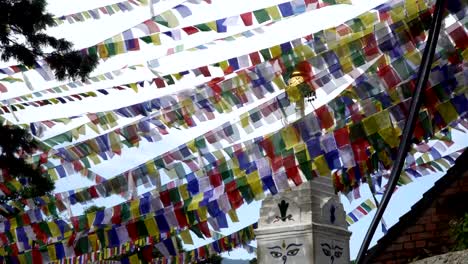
{"points": [[293, 252], [326, 252], [338, 254], [276, 254]]}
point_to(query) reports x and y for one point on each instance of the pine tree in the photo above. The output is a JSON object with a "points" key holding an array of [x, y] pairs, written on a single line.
{"points": [[19, 177], [22, 37]]}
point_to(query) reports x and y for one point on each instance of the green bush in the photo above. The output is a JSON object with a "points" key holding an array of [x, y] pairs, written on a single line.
{"points": [[459, 231]]}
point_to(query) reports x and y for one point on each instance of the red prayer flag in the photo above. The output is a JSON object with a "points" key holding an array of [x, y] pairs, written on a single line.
{"points": [[93, 192], [36, 256], [247, 18], [342, 137], [116, 219], [205, 71], [359, 150], [235, 199], [190, 30], [159, 82], [165, 198], [389, 76], [132, 231], [215, 179], [181, 217], [326, 120], [255, 58], [204, 228]]}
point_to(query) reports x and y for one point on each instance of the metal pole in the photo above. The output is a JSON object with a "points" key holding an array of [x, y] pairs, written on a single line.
{"points": [[423, 76]]}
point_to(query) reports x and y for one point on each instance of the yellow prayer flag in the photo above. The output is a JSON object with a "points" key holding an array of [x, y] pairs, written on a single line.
{"points": [[191, 145], [447, 111], [252, 177], [244, 118], [203, 213], [384, 158], [54, 229], [275, 51], [51, 251], [135, 207], [53, 174], [426, 157], [155, 39], [273, 12], [257, 189], [414, 57], [186, 237], [279, 82], [172, 174], [290, 136], [224, 65], [93, 241], [322, 166], [150, 167], [16, 184], [390, 136], [346, 64], [368, 18], [369, 203], [102, 50], [93, 127], [134, 87], [119, 47], [184, 192], [370, 125], [233, 215], [212, 25], [411, 8], [133, 259], [465, 55], [171, 19], [397, 13], [21, 258], [150, 224], [238, 172], [304, 52], [195, 202], [382, 119]]}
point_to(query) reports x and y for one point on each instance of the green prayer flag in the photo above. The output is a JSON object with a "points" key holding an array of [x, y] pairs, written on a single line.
{"points": [[141, 229], [203, 27], [306, 168], [366, 207], [356, 131], [45, 228], [245, 190], [125, 212], [278, 143], [265, 54], [160, 20], [174, 195], [261, 15], [83, 244]]}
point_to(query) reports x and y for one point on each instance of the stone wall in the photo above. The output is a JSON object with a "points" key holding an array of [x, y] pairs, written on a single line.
{"points": [[459, 257], [427, 234]]}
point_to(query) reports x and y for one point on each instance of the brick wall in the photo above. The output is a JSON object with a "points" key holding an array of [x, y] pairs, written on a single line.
{"points": [[427, 233]]}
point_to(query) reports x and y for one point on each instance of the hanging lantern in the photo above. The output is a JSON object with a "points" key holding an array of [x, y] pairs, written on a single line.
{"points": [[302, 76]]}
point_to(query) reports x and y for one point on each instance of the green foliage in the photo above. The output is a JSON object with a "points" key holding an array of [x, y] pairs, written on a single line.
{"points": [[93, 208], [459, 231], [16, 148], [22, 37], [213, 259]]}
